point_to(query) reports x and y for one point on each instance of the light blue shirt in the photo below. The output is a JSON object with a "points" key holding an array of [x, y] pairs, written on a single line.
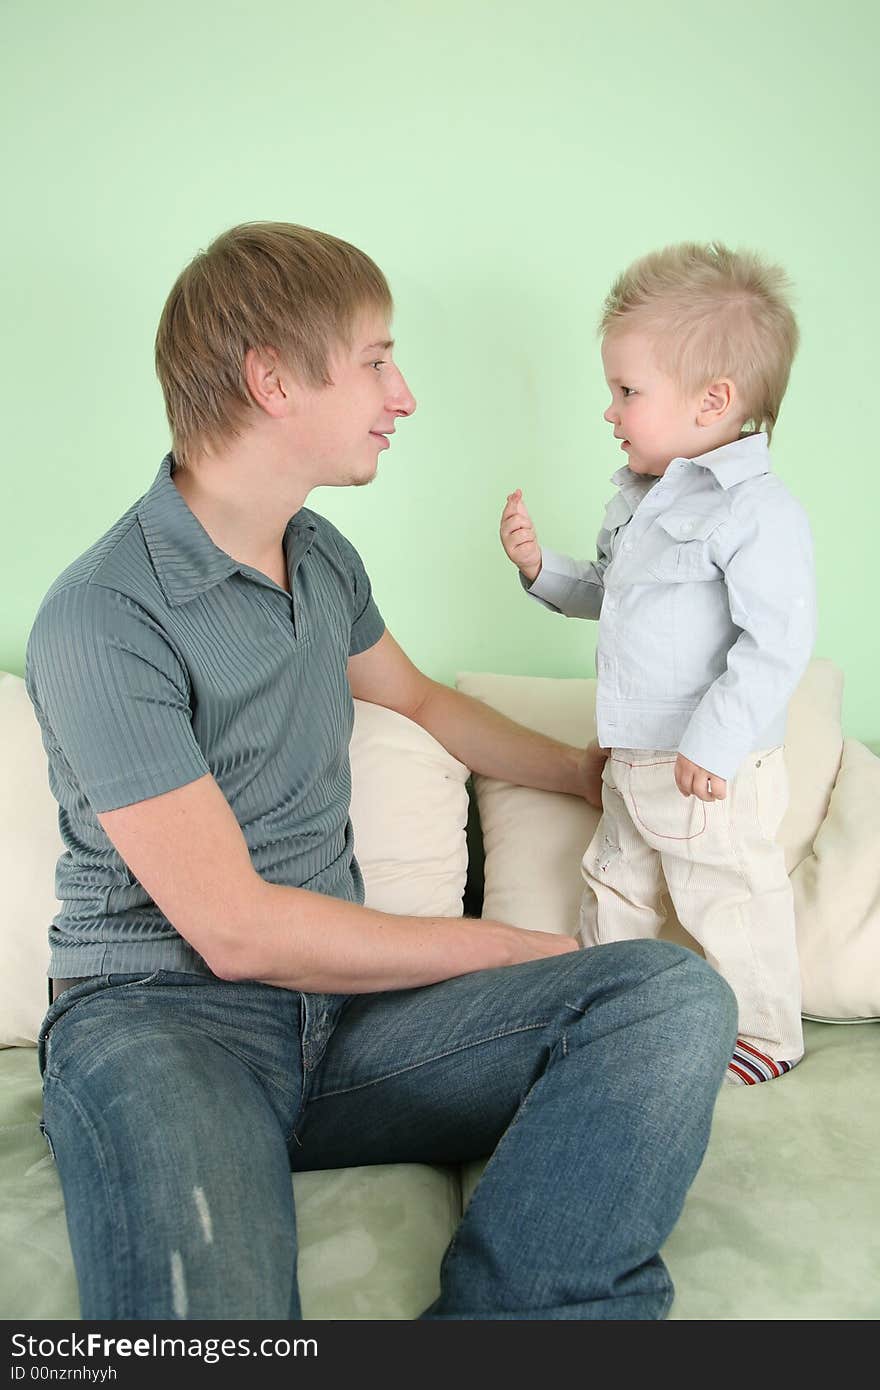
{"points": [[704, 589]]}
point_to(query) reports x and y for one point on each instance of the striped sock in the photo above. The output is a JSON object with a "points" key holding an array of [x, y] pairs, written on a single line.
{"points": [[748, 1066]]}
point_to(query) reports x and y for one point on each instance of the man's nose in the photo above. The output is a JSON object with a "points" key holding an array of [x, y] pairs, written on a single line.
{"points": [[400, 399]]}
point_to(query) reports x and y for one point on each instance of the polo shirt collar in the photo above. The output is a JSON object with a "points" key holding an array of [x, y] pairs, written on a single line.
{"points": [[186, 560]]}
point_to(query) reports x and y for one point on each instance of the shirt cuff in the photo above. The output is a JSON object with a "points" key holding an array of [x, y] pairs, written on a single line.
{"points": [[553, 585], [716, 752]]}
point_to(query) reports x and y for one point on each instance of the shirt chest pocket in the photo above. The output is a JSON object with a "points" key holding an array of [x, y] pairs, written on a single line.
{"points": [[617, 516], [678, 547]]}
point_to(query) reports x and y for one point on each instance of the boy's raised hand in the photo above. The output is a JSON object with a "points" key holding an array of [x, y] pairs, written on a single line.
{"points": [[518, 537]]}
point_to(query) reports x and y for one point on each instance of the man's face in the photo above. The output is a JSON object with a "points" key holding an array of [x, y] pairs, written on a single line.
{"points": [[652, 418], [340, 430]]}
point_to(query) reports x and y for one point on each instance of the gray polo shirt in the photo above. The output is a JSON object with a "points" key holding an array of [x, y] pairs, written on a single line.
{"points": [[156, 658]]}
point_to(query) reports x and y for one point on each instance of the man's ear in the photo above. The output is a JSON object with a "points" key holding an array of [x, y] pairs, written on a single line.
{"points": [[266, 380], [717, 403]]}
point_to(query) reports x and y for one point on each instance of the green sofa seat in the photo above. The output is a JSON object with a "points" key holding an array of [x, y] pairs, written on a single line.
{"points": [[782, 1222]]}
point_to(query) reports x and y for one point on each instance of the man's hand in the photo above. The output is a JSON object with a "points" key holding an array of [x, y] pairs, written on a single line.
{"points": [[593, 760], [518, 537], [692, 780], [515, 945]]}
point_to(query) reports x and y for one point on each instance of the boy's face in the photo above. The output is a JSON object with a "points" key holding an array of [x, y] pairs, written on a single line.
{"points": [[339, 430], [652, 418]]}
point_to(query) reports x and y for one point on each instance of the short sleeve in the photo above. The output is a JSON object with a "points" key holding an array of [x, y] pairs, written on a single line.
{"points": [[112, 697], [367, 623]]}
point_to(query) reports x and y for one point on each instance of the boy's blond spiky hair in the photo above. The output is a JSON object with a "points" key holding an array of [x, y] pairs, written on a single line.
{"points": [[712, 313]]}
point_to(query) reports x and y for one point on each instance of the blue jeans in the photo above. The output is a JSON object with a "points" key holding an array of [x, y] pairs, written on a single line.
{"points": [[177, 1105]]}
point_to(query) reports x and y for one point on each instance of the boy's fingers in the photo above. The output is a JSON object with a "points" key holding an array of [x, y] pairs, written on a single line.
{"points": [[512, 525], [514, 507]]}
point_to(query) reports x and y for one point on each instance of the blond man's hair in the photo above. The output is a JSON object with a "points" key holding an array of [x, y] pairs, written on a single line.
{"points": [[262, 285], [711, 314]]}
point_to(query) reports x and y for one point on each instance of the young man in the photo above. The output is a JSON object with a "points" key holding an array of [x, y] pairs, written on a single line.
{"points": [[226, 1009]]}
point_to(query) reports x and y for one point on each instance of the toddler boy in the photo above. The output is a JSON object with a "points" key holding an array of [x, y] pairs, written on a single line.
{"points": [[704, 590]]}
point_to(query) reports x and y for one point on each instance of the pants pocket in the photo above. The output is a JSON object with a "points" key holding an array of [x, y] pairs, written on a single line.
{"points": [[72, 999], [771, 790], [658, 807]]}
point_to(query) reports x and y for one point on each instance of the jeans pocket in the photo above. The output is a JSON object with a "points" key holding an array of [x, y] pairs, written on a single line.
{"points": [[73, 998], [130, 981]]}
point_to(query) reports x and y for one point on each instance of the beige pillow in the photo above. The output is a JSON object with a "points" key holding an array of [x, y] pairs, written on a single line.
{"points": [[409, 812], [534, 840], [30, 844], [837, 896], [409, 809]]}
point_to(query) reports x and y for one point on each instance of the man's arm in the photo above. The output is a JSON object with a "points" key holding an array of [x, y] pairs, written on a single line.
{"points": [[187, 850], [480, 737], [119, 703]]}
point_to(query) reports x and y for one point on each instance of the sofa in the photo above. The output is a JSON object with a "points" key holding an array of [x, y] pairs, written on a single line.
{"points": [[783, 1219]]}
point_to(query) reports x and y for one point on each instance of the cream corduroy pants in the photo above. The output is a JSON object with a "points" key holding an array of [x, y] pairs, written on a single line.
{"points": [[724, 872]]}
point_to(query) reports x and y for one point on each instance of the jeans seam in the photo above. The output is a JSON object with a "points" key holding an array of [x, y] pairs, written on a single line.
{"points": [[452, 1248], [113, 1207], [426, 1061]]}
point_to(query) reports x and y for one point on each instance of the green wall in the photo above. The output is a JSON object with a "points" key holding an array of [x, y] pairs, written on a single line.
{"points": [[501, 162]]}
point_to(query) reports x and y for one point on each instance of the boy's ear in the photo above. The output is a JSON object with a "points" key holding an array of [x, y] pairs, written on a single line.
{"points": [[716, 403]]}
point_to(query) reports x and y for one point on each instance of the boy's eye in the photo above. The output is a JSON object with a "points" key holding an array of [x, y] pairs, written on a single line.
{"points": [[627, 391]]}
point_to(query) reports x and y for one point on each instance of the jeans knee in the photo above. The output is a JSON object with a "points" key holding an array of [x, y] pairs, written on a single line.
{"points": [[636, 960], [707, 999], [677, 979]]}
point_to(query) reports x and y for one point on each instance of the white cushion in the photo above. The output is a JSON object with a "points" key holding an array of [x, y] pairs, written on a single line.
{"points": [[837, 896], [409, 809], [30, 844], [534, 840], [409, 812]]}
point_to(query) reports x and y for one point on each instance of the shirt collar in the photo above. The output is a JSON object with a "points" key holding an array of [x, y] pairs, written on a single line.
{"points": [[746, 457], [633, 486], [186, 560]]}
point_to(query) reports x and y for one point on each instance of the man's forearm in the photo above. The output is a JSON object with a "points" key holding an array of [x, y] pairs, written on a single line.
{"points": [[490, 743], [295, 939]]}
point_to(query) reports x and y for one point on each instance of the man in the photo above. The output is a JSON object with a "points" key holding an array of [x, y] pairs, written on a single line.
{"points": [[226, 1009]]}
